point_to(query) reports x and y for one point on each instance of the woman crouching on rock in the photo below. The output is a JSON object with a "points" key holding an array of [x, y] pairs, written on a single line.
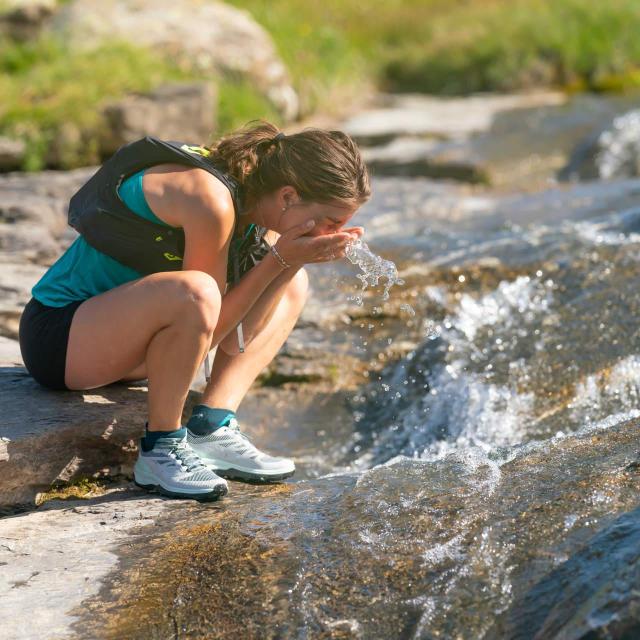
{"points": [[183, 249]]}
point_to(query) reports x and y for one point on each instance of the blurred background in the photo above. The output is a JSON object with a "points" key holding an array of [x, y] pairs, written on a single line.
{"points": [[68, 67]]}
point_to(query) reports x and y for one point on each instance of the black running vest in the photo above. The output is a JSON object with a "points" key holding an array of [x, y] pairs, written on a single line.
{"points": [[98, 213]]}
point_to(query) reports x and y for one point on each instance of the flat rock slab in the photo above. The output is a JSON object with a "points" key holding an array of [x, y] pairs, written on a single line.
{"points": [[419, 115], [429, 158], [10, 352], [502, 140], [48, 436], [58, 554]]}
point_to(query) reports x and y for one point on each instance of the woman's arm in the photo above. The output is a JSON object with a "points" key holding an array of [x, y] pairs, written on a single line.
{"points": [[202, 205], [199, 203]]}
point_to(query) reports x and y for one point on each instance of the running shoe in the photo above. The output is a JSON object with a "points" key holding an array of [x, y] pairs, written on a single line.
{"points": [[174, 469], [230, 453]]}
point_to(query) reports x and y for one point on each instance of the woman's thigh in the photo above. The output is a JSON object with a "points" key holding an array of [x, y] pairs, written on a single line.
{"points": [[110, 332]]}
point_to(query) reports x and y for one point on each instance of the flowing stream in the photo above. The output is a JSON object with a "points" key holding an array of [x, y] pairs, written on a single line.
{"points": [[488, 483]]}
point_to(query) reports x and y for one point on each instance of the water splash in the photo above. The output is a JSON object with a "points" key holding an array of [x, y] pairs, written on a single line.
{"points": [[373, 268], [439, 400], [619, 147]]}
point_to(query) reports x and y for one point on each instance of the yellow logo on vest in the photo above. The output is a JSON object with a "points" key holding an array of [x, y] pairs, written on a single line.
{"points": [[158, 238], [170, 256], [201, 151]]}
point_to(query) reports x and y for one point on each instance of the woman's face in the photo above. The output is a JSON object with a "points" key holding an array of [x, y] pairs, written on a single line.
{"points": [[328, 218]]}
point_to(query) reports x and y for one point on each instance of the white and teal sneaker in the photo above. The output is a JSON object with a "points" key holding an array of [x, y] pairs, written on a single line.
{"points": [[230, 453], [174, 469]]}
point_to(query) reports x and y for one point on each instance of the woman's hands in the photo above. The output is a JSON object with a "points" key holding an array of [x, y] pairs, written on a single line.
{"points": [[297, 248]]}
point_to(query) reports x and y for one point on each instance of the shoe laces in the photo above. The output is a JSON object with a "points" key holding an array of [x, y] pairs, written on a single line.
{"points": [[184, 454], [235, 426]]}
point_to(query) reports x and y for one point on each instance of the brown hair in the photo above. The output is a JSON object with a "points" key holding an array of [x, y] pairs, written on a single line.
{"points": [[322, 166]]}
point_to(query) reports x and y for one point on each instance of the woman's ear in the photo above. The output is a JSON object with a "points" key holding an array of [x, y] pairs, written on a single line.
{"points": [[289, 196]]}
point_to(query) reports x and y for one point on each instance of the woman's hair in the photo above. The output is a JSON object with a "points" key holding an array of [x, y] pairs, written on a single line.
{"points": [[322, 166]]}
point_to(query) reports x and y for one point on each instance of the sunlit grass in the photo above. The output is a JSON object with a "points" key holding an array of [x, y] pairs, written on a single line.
{"points": [[458, 46], [334, 50], [45, 88]]}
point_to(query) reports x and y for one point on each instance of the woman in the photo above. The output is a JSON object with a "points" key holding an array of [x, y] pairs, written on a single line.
{"points": [[95, 319]]}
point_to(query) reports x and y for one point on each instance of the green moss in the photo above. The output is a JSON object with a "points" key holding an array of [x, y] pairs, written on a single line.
{"points": [[82, 487], [273, 378]]}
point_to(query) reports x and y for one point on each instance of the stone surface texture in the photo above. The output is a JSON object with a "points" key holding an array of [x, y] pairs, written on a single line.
{"points": [[57, 554], [33, 234], [170, 112], [419, 115], [512, 141], [48, 436], [209, 36]]}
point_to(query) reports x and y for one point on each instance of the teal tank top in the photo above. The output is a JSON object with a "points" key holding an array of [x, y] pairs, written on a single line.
{"points": [[82, 271]]}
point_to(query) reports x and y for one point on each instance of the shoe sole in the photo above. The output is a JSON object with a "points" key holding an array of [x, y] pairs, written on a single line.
{"points": [[211, 496], [237, 474]]}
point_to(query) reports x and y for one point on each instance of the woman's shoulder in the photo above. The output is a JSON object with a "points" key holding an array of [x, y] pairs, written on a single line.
{"points": [[174, 191]]}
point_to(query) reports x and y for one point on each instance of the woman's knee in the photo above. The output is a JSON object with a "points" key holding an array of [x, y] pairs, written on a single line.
{"points": [[297, 290], [198, 297]]}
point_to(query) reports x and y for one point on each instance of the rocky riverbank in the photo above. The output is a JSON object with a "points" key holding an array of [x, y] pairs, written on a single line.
{"points": [[466, 468]]}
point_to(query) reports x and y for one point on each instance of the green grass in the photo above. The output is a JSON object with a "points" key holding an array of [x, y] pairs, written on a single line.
{"points": [[519, 44], [46, 89], [335, 50], [458, 46]]}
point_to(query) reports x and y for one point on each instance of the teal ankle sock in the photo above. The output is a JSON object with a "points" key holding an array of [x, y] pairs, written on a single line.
{"points": [[151, 437], [205, 420]]}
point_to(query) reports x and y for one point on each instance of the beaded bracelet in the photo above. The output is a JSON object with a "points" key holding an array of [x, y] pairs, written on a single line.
{"points": [[279, 258]]}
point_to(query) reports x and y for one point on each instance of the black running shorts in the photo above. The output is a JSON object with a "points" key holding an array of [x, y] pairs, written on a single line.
{"points": [[44, 335]]}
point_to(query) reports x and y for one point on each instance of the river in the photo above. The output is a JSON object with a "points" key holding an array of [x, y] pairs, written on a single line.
{"points": [[483, 485]]}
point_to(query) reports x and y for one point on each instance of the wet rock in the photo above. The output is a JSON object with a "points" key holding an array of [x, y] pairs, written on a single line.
{"points": [[612, 151], [581, 164], [548, 609], [210, 37], [443, 548], [427, 158], [448, 118], [170, 112], [12, 153]]}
